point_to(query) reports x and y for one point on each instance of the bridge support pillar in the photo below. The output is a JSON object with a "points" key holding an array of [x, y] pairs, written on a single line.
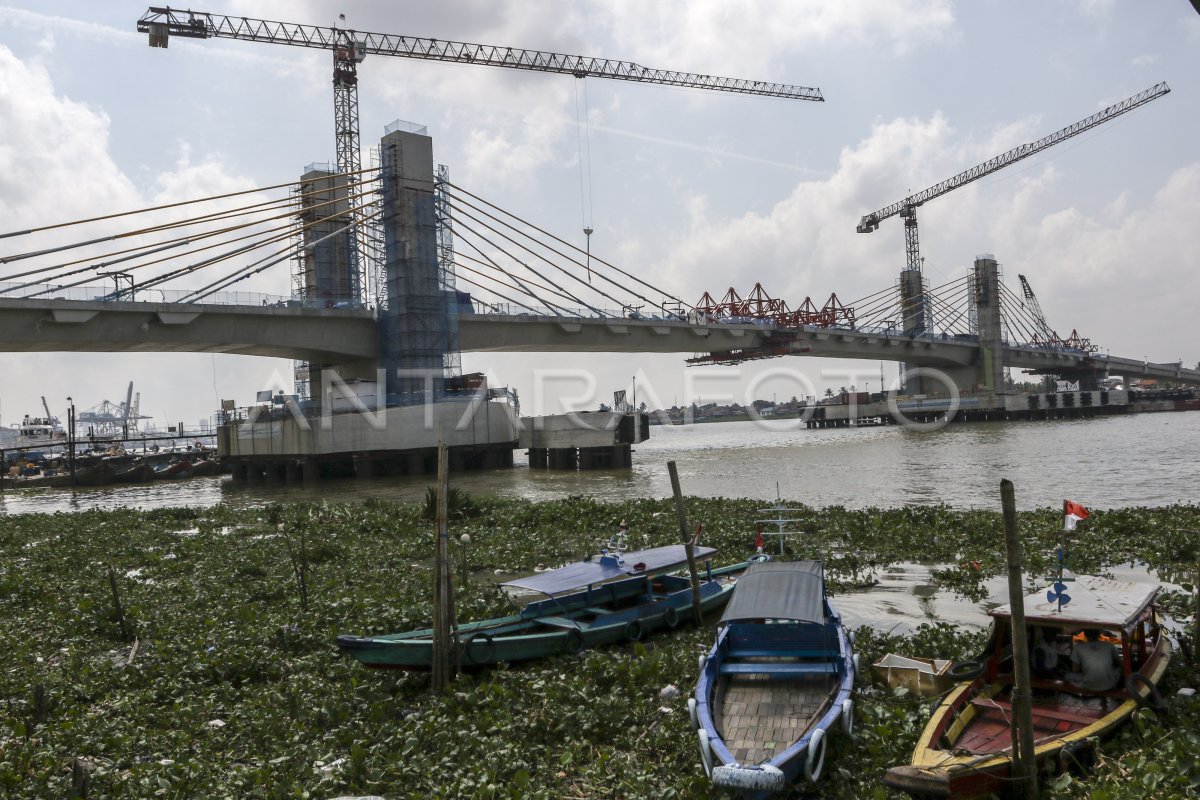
{"points": [[238, 470], [310, 470], [291, 472], [364, 466]]}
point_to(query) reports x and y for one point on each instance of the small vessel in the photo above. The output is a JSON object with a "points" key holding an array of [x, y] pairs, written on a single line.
{"points": [[206, 467], [966, 747], [175, 470], [139, 471], [777, 682], [618, 596]]}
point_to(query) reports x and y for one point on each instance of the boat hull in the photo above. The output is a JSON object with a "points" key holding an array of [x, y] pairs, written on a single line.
{"points": [[769, 695], [965, 749], [596, 618]]}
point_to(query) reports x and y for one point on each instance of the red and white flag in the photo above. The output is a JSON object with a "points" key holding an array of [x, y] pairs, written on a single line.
{"points": [[758, 540], [1072, 513]]}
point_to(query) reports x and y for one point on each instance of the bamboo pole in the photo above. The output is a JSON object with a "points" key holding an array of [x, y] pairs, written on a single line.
{"points": [[1024, 763], [443, 612], [112, 582], [697, 614]]}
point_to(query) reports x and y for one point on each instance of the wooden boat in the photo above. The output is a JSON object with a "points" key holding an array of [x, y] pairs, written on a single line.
{"points": [[776, 683], [137, 472], [965, 749], [206, 467], [99, 473], [175, 470], [615, 597]]}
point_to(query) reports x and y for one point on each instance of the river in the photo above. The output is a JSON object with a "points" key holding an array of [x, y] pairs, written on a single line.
{"points": [[1107, 462]]}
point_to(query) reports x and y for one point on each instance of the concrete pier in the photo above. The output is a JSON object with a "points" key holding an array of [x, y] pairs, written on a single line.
{"points": [[585, 440], [282, 444]]}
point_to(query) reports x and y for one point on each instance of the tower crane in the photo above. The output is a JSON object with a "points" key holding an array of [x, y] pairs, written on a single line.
{"points": [[907, 208], [350, 47]]}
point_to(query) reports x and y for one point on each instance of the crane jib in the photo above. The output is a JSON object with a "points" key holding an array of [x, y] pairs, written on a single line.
{"points": [[161, 23], [871, 221]]}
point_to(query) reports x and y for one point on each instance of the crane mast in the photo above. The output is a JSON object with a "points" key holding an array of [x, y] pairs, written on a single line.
{"points": [[907, 208]]}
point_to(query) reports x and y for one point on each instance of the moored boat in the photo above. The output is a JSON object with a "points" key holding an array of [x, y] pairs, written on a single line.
{"points": [[965, 749], [137, 472], [618, 596], [206, 467], [776, 683], [176, 470]]}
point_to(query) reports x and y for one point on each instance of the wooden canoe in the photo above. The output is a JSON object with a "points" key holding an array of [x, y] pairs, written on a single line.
{"points": [[965, 749], [776, 683], [625, 606]]}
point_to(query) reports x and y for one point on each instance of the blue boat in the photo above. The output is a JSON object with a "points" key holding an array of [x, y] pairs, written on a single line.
{"points": [[618, 596], [777, 682]]}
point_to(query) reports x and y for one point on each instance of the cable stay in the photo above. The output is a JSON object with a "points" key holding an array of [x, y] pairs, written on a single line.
{"points": [[162, 207], [565, 243], [492, 244], [543, 258], [564, 256], [544, 288], [516, 281]]}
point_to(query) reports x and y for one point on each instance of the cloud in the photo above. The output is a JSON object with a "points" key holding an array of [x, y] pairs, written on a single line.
{"points": [[55, 166], [750, 40], [806, 244]]}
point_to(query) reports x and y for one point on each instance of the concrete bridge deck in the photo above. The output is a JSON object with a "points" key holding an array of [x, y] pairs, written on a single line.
{"points": [[342, 335]]}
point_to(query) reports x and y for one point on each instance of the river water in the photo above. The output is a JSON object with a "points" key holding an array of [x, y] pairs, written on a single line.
{"points": [[1109, 462]]}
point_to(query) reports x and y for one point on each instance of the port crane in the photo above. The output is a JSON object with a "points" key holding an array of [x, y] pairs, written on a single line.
{"points": [[350, 47], [907, 208]]}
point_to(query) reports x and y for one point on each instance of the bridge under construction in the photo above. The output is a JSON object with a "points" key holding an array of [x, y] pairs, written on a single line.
{"points": [[395, 270]]}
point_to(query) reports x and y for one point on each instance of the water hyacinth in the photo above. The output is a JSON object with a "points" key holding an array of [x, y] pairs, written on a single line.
{"points": [[225, 681]]}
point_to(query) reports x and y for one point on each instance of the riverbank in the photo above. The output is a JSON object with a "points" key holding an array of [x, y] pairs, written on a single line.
{"points": [[227, 683]]}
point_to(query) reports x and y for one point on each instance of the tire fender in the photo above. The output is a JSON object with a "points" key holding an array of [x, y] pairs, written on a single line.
{"points": [[671, 618], [479, 647], [1153, 698], [574, 641], [965, 670], [706, 756], [848, 717], [633, 630], [816, 756]]}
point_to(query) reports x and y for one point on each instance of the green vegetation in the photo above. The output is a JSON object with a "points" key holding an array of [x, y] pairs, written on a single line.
{"points": [[226, 682]]}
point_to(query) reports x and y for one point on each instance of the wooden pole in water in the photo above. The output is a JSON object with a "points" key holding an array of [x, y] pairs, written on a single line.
{"points": [[697, 614], [1024, 763], [443, 609]]}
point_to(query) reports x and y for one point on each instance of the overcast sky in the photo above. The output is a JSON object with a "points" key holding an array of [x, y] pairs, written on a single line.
{"points": [[696, 191]]}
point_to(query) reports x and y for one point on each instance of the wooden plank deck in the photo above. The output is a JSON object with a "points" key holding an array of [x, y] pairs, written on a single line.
{"points": [[759, 717], [989, 731]]}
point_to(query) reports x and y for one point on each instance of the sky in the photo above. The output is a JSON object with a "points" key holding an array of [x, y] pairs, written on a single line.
{"points": [[694, 191]]}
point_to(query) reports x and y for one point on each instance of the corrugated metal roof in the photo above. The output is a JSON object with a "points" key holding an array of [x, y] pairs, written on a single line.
{"points": [[588, 573], [792, 590], [1097, 602]]}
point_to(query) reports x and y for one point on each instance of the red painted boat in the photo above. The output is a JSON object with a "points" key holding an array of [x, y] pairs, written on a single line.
{"points": [[965, 750]]}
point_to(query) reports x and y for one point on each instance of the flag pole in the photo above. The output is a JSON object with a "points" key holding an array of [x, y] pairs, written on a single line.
{"points": [[1062, 549]]}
